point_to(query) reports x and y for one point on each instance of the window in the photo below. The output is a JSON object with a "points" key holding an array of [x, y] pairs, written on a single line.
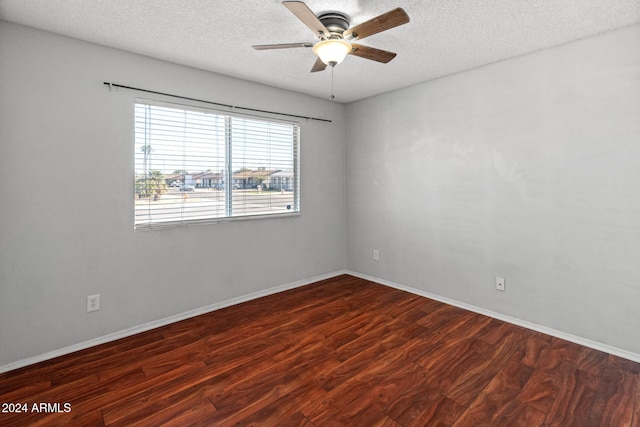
{"points": [[198, 165]]}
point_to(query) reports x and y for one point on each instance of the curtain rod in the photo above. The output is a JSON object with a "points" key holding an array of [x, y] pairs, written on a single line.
{"points": [[255, 110]]}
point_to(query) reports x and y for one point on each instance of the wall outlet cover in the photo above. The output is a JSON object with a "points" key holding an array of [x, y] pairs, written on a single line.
{"points": [[93, 303]]}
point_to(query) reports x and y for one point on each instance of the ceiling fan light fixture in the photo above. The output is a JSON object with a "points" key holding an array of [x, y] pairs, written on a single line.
{"points": [[332, 51]]}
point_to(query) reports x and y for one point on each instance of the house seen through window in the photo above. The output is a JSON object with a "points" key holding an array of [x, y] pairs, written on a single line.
{"points": [[198, 165]]}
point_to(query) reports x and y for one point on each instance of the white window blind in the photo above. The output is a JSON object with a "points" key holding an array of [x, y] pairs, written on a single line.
{"points": [[198, 165]]}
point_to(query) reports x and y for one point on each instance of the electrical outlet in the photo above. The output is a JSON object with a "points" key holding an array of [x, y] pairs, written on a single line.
{"points": [[500, 284], [93, 303], [376, 255]]}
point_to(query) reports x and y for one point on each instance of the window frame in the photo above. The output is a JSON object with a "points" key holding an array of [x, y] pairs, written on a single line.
{"points": [[228, 171]]}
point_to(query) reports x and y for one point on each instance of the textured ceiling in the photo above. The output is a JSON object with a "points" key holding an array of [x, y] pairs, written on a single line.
{"points": [[443, 37]]}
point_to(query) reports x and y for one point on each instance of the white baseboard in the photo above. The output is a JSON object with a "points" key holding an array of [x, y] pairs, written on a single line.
{"points": [[164, 321], [233, 301], [635, 357]]}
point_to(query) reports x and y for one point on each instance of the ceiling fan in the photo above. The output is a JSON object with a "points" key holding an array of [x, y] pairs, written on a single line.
{"points": [[332, 28]]}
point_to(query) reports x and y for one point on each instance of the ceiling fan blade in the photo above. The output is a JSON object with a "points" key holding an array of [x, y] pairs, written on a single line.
{"points": [[318, 66], [372, 53], [380, 23], [307, 17], [280, 46]]}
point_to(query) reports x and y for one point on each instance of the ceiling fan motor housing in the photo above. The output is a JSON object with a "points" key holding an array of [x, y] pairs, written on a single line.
{"points": [[335, 22]]}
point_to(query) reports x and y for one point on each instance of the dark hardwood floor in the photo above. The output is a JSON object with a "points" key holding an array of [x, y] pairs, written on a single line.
{"points": [[343, 351]]}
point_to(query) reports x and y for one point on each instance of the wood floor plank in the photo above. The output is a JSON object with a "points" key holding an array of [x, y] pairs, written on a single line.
{"points": [[615, 398], [491, 362], [124, 400], [339, 398], [253, 394], [497, 403], [534, 347], [341, 351], [635, 422], [284, 411], [572, 406], [432, 410], [409, 378], [545, 385]]}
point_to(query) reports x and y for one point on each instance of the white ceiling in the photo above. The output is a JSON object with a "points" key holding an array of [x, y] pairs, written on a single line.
{"points": [[443, 37]]}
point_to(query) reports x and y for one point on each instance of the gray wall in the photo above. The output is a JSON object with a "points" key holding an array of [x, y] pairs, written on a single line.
{"points": [[66, 199], [527, 169]]}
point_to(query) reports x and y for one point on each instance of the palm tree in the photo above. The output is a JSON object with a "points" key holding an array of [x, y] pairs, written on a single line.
{"points": [[146, 150], [152, 184]]}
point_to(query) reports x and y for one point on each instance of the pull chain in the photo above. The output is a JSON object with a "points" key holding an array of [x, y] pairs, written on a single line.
{"points": [[332, 95]]}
